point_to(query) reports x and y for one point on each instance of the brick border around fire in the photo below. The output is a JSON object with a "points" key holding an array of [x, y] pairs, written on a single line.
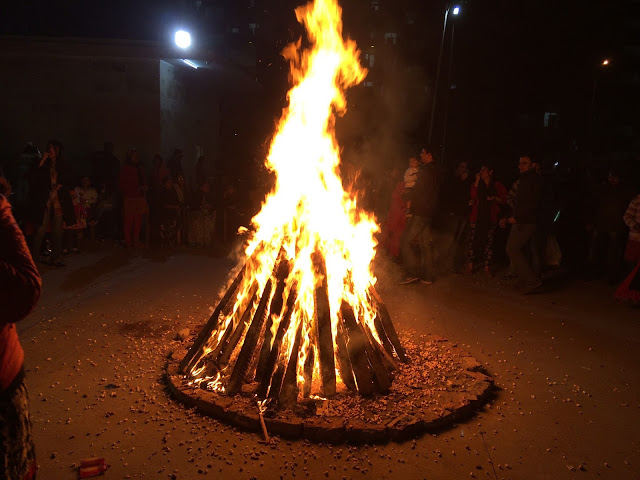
{"points": [[464, 390]]}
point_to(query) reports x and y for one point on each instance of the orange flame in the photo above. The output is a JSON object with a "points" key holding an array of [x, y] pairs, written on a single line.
{"points": [[309, 211]]}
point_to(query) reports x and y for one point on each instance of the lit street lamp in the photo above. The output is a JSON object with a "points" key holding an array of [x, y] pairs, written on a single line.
{"points": [[183, 39], [455, 10], [592, 112]]}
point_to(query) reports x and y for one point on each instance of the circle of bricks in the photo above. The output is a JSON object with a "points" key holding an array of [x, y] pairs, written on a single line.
{"points": [[442, 385]]}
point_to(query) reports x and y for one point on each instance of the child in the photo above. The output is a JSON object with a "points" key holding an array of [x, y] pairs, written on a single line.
{"points": [[410, 176]]}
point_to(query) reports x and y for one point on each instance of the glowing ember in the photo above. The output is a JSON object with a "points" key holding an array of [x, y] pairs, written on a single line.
{"points": [[303, 311]]}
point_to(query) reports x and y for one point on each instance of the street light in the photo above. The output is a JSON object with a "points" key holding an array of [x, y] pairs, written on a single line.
{"points": [[455, 10], [183, 39]]}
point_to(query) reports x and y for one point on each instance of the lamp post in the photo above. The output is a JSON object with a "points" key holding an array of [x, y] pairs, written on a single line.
{"points": [[455, 10]]}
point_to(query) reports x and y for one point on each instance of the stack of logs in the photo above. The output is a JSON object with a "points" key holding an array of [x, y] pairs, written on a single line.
{"points": [[364, 365]]}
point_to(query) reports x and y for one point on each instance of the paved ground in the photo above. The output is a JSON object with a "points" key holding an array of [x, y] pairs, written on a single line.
{"points": [[566, 363]]}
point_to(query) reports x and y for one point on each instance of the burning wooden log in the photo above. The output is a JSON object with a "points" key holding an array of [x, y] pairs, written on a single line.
{"points": [[212, 323], [344, 363], [274, 353], [283, 269], [357, 352], [289, 391], [250, 342], [387, 324], [323, 333]]}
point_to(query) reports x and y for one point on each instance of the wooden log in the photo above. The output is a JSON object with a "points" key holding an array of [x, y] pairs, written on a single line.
{"points": [[388, 326], [357, 351], [308, 371], [242, 314], [385, 356], [381, 375], [274, 354], [196, 349], [383, 335], [342, 354], [250, 342], [288, 394], [225, 353], [323, 333], [282, 273]]}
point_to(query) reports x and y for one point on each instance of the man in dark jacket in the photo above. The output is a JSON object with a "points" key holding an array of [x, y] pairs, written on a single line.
{"points": [[524, 223], [423, 203]]}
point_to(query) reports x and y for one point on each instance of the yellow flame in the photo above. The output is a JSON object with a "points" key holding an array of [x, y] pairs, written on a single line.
{"points": [[308, 210]]}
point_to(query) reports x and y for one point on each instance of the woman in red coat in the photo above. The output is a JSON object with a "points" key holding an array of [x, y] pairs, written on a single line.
{"points": [[487, 196], [133, 188], [20, 288]]}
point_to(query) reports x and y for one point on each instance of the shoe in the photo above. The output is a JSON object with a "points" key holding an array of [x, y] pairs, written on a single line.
{"points": [[531, 288], [426, 282], [58, 264], [408, 280]]}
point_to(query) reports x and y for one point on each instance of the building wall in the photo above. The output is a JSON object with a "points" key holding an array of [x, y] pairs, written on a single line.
{"points": [[81, 101]]}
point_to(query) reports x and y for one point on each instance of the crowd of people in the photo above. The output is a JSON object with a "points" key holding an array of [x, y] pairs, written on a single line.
{"points": [[463, 222], [121, 201]]}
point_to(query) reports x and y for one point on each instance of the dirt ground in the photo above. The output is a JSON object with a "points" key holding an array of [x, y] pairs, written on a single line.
{"points": [[565, 361]]}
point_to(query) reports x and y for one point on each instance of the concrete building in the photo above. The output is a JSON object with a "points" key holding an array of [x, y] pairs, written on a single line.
{"points": [[140, 95]]}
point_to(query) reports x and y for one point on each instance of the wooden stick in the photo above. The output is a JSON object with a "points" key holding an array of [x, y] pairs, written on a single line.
{"points": [[357, 351], [381, 376], [250, 342], [224, 355], [308, 371], [212, 324], [289, 391], [383, 335], [342, 353], [282, 272], [324, 335], [274, 354], [388, 326], [264, 428], [241, 315]]}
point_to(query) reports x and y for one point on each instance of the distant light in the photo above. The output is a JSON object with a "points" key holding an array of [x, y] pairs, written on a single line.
{"points": [[456, 10], [556, 164], [183, 39], [605, 62], [190, 63]]}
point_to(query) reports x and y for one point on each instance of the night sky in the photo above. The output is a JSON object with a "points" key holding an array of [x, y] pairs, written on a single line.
{"points": [[510, 57]]}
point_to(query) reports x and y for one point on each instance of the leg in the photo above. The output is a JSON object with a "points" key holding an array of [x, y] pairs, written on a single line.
{"points": [[488, 248], [518, 238], [426, 251], [409, 258], [137, 227], [470, 246], [56, 234], [128, 225]]}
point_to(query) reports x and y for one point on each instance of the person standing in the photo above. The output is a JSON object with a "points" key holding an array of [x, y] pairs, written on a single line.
{"points": [[51, 203], [608, 230], [629, 289], [20, 288], [524, 223], [133, 188], [487, 197], [423, 200], [456, 215]]}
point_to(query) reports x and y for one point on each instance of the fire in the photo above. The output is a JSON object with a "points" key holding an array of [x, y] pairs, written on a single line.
{"points": [[309, 223]]}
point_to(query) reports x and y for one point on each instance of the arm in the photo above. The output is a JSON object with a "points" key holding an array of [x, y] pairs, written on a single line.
{"points": [[20, 284], [632, 214]]}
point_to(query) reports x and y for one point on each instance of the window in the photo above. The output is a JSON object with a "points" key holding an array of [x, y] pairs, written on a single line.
{"points": [[390, 38], [551, 120]]}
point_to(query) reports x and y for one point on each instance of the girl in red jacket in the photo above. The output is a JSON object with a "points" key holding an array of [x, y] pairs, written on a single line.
{"points": [[487, 196], [19, 292]]}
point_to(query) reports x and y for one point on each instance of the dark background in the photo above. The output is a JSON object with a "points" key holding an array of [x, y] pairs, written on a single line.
{"points": [[513, 63]]}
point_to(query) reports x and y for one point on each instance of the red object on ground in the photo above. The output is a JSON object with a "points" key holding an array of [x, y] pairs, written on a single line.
{"points": [[91, 467]]}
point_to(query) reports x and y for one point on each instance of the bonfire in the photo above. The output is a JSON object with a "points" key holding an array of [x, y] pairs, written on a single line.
{"points": [[301, 316]]}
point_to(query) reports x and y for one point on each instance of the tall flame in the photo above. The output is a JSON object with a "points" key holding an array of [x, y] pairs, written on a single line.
{"points": [[309, 211]]}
